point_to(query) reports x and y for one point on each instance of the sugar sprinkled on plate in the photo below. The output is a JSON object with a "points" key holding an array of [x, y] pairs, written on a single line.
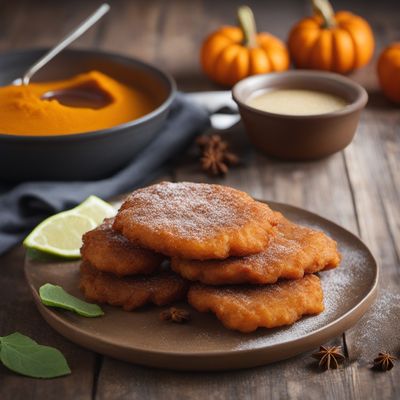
{"points": [[377, 331]]}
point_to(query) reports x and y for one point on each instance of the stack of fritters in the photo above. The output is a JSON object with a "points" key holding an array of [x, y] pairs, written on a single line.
{"points": [[245, 263], [120, 273]]}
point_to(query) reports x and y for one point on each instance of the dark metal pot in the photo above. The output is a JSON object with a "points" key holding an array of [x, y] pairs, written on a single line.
{"points": [[90, 155]]}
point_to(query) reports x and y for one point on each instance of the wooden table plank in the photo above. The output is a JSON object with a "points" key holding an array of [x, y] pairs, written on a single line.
{"points": [[373, 162], [45, 24], [133, 28], [282, 380]]}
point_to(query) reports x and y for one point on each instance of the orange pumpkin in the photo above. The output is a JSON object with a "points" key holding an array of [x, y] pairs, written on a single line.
{"points": [[338, 42], [232, 53], [389, 71]]}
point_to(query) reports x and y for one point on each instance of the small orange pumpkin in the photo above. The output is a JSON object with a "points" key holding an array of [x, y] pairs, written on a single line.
{"points": [[389, 71], [338, 42], [232, 53]]}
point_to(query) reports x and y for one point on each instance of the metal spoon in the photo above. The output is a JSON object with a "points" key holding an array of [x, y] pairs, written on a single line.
{"points": [[71, 37]]}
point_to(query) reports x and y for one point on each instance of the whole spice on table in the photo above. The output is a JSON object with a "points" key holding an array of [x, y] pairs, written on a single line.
{"points": [[216, 157], [175, 315], [384, 362], [329, 357]]}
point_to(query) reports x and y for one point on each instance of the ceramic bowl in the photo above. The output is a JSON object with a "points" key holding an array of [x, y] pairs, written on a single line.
{"points": [[89, 155], [301, 137]]}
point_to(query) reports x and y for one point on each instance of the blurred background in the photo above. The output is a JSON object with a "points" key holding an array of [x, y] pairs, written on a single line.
{"points": [[169, 33]]}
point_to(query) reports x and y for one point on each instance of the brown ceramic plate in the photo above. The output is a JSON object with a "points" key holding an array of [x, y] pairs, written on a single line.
{"points": [[204, 344]]}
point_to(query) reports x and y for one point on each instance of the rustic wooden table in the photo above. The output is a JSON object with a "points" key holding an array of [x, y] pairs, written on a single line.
{"points": [[358, 188]]}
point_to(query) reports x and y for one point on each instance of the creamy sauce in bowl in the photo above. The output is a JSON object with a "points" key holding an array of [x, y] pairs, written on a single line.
{"points": [[296, 102]]}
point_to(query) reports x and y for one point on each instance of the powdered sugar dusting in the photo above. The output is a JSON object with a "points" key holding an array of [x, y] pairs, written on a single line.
{"points": [[194, 210], [291, 251], [343, 288], [378, 329], [339, 297]]}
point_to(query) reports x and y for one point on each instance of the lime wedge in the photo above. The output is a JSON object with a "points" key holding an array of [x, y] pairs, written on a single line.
{"points": [[96, 209], [61, 234]]}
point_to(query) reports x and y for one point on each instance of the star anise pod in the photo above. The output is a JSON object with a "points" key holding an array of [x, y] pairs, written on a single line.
{"points": [[213, 141], [175, 315], [384, 362], [203, 140], [212, 161], [215, 157], [329, 357]]}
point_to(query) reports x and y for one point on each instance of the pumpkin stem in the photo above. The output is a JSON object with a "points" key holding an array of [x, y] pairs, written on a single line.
{"points": [[324, 9], [248, 26]]}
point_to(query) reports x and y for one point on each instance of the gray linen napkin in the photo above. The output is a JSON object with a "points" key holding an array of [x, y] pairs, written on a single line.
{"points": [[23, 206]]}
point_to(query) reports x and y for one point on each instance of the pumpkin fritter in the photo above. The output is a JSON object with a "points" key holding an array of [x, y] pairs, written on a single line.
{"points": [[107, 250], [131, 292], [195, 221], [246, 308], [293, 251]]}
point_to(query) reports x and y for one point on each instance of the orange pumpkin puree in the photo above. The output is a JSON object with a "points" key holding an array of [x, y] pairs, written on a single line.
{"points": [[24, 112]]}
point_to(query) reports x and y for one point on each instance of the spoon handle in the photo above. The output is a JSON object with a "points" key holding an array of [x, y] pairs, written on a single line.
{"points": [[78, 31]]}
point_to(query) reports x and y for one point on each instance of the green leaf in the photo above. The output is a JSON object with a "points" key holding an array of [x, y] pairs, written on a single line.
{"points": [[21, 354], [56, 296]]}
